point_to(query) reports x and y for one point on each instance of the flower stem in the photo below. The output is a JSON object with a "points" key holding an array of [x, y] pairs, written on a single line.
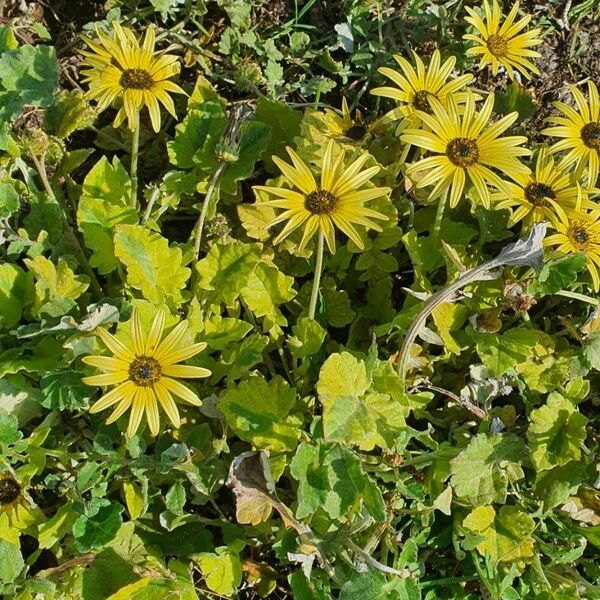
{"points": [[317, 279], [200, 222], [150, 205], [439, 215], [135, 147], [70, 235]]}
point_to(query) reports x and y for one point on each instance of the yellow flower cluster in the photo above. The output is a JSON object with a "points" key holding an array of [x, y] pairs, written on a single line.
{"points": [[460, 149]]}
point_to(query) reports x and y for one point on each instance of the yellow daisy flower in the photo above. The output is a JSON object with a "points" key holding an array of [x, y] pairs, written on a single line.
{"points": [[503, 44], [545, 195], [581, 133], [336, 201], [145, 373], [465, 147], [11, 497], [119, 67], [417, 87], [580, 233], [343, 126]]}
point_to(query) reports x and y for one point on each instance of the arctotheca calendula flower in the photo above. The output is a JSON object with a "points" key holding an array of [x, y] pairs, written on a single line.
{"points": [[580, 233], [343, 126], [547, 194], [464, 148], [145, 373], [416, 86], [11, 497], [119, 67], [333, 200], [503, 44], [581, 133]]}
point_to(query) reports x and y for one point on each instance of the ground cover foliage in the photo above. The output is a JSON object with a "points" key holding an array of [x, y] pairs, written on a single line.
{"points": [[380, 292]]}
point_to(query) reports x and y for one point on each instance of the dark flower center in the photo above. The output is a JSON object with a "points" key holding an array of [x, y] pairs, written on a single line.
{"points": [[320, 202], [497, 45], [462, 152], [10, 490], [590, 134], [136, 79], [538, 193], [144, 371], [356, 132], [421, 101], [578, 235]]}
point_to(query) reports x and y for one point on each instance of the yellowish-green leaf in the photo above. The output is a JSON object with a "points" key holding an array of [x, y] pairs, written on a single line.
{"points": [[153, 267], [506, 533]]}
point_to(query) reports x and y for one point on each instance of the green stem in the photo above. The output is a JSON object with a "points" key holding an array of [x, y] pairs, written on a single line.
{"points": [[439, 215], [150, 206], [133, 170], [200, 222], [317, 278], [71, 236], [576, 296]]}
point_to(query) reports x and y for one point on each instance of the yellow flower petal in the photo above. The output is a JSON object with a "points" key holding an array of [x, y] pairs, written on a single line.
{"points": [[137, 334], [106, 363], [185, 371], [152, 414], [106, 378], [167, 403], [137, 410], [115, 346], [181, 391], [123, 391], [176, 356]]}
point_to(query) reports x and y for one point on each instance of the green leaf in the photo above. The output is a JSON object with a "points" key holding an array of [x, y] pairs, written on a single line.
{"points": [[8, 41], [56, 286], [20, 398], [153, 267], [558, 274], [515, 98], [237, 359], [507, 533], [64, 390], [98, 524], [500, 352], [166, 7], [253, 140], [175, 498], [105, 202], [68, 113], [555, 486], [196, 138], [16, 292], [9, 200], [556, 433], [336, 304], [267, 288], [259, 412], [284, 122], [332, 478], [11, 562], [307, 339], [28, 76], [222, 570], [220, 331], [481, 472], [52, 531], [9, 428], [351, 413], [373, 584], [226, 268], [135, 499], [89, 475]]}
